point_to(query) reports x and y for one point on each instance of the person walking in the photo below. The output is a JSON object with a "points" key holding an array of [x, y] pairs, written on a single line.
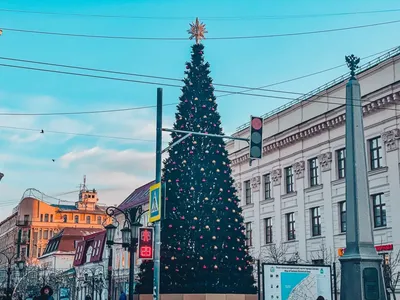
{"points": [[46, 293], [122, 296]]}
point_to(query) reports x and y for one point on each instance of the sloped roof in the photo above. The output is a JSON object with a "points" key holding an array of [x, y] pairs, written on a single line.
{"points": [[138, 197]]}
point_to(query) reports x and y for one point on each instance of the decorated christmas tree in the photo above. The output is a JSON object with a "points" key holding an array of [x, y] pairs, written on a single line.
{"points": [[203, 246]]}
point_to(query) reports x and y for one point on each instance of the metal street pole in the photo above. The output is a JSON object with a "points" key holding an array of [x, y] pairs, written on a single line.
{"points": [[110, 258], [157, 226], [132, 251]]}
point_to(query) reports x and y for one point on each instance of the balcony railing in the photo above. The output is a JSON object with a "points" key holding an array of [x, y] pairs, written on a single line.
{"points": [[23, 223], [23, 241]]}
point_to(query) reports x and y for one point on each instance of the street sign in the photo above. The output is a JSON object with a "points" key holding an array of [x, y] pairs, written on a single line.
{"points": [[146, 236], [155, 203]]}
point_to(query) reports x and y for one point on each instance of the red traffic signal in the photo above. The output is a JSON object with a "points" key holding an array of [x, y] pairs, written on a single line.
{"points": [[256, 138], [145, 243]]}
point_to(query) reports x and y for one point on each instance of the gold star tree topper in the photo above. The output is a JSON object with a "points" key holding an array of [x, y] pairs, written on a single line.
{"points": [[197, 31]]}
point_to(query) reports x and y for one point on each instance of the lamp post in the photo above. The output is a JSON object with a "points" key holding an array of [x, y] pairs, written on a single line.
{"points": [[129, 234], [9, 264]]}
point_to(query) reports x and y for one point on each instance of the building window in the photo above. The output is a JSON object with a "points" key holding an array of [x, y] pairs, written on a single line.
{"points": [[76, 219], [289, 179], [342, 216], [375, 153], [268, 230], [249, 236], [41, 217], [39, 252], [267, 186], [88, 220], [341, 163], [290, 223], [51, 233], [65, 218], [51, 218], [316, 221], [40, 234], [99, 220], [46, 217], [45, 234], [379, 208], [313, 168], [248, 191]]}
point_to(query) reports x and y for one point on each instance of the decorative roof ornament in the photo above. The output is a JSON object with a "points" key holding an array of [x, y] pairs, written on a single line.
{"points": [[197, 31], [352, 63]]}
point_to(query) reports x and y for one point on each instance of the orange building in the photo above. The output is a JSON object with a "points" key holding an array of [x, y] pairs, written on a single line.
{"points": [[38, 221]]}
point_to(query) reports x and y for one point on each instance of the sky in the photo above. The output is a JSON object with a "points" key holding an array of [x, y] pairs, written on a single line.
{"points": [[115, 167]]}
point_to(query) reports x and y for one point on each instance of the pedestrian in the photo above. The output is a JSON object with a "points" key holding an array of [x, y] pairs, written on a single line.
{"points": [[122, 296], [46, 293], [88, 297]]}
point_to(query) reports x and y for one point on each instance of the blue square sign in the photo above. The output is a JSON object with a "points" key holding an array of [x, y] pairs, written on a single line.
{"points": [[155, 202]]}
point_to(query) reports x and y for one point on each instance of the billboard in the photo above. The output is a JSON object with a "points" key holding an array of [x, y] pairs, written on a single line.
{"points": [[294, 282]]}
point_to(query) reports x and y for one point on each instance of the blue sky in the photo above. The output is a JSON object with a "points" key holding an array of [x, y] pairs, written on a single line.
{"points": [[116, 167]]}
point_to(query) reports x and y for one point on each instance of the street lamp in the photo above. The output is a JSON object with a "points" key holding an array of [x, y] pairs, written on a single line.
{"points": [[110, 232], [129, 241]]}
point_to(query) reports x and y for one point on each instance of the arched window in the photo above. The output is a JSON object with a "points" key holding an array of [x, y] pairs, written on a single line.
{"points": [[76, 219], [99, 220], [46, 217], [65, 218], [88, 220]]}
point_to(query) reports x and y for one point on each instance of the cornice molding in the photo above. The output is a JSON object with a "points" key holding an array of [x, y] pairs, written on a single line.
{"points": [[371, 107]]}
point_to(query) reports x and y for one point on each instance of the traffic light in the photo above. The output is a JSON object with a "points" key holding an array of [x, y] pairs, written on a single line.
{"points": [[145, 243], [256, 129]]}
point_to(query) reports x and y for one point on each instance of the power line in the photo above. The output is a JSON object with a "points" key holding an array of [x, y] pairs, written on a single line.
{"points": [[308, 75], [76, 134], [84, 112], [166, 78], [228, 18], [209, 38]]}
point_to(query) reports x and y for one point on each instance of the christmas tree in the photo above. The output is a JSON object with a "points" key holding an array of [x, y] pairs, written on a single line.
{"points": [[203, 238]]}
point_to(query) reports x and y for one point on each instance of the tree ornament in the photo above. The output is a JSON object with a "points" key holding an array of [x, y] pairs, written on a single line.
{"points": [[202, 169], [215, 267], [195, 99], [173, 258], [192, 188], [207, 227], [201, 257], [213, 161], [218, 220], [215, 247], [166, 267], [195, 218], [214, 237], [213, 208]]}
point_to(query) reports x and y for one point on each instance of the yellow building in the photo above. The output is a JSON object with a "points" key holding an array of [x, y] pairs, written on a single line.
{"points": [[38, 221]]}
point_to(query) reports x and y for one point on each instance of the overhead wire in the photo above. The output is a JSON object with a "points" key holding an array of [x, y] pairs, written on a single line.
{"points": [[217, 18], [262, 88], [185, 39]]}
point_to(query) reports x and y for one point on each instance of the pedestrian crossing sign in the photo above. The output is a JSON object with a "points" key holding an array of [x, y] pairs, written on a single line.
{"points": [[155, 203]]}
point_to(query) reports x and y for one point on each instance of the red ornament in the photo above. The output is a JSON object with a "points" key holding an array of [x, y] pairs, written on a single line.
{"points": [[204, 267], [179, 249], [193, 227], [170, 226], [201, 237]]}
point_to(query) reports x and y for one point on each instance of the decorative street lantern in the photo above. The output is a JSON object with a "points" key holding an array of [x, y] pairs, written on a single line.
{"points": [[110, 232], [126, 236]]}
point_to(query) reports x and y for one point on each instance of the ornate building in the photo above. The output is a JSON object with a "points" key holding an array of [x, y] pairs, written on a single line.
{"points": [[35, 221], [294, 197]]}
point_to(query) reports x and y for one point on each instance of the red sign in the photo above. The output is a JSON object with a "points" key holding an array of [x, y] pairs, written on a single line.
{"points": [[145, 245], [379, 248]]}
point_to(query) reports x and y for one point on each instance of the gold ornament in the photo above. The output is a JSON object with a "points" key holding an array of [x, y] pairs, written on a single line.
{"points": [[173, 258], [217, 170], [213, 161], [213, 237], [192, 188], [215, 247], [194, 142], [206, 198], [197, 31], [195, 218], [184, 161], [218, 220], [166, 267], [207, 227]]}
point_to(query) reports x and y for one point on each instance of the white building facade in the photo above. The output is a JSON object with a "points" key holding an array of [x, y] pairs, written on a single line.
{"points": [[294, 197]]}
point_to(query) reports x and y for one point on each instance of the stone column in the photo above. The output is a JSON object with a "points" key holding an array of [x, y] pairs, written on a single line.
{"points": [[255, 190], [325, 163], [298, 170], [361, 272], [390, 139], [276, 177]]}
